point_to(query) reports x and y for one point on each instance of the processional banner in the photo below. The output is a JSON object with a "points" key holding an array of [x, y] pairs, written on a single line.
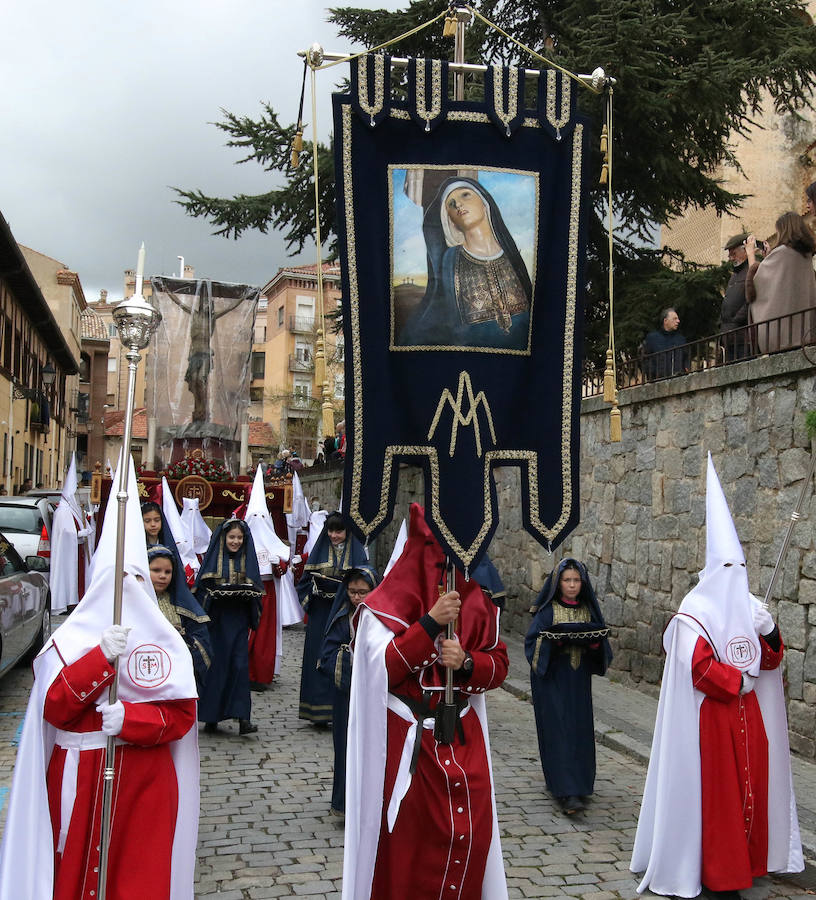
{"points": [[199, 363], [462, 232]]}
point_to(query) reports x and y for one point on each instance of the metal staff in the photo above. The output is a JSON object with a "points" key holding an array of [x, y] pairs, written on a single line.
{"points": [[136, 320], [795, 515], [446, 712]]}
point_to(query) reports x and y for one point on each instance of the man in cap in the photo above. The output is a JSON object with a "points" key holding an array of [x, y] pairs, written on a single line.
{"points": [[734, 309], [718, 807]]}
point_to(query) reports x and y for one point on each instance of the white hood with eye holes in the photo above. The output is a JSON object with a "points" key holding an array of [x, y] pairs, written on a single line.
{"points": [[721, 605]]}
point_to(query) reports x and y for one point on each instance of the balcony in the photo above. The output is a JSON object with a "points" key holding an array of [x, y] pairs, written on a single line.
{"points": [[301, 406], [298, 363], [302, 324]]}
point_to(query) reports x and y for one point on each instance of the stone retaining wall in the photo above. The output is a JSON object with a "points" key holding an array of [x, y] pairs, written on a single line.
{"points": [[642, 531]]}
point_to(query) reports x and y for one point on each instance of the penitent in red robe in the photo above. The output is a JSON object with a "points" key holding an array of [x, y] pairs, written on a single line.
{"points": [[263, 643], [145, 792], [442, 835], [734, 772]]}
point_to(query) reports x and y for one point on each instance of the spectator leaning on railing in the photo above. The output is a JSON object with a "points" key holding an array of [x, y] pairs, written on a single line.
{"points": [[667, 337], [782, 285]]}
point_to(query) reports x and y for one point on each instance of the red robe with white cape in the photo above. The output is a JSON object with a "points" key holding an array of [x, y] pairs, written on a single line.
{"points": [[376, 743], [669, 840], [155, 668]]}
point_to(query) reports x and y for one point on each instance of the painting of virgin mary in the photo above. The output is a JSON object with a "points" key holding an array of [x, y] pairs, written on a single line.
{"points": [[479, 290]]}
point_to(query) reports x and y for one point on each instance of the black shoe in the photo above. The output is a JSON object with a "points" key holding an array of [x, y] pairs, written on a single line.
{"points": [[246, 727], [211, 727], [722, 895], [258, 686], [571, 805]]}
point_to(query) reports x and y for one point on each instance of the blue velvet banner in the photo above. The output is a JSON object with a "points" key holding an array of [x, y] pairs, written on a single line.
{"points": [[462, 231]]}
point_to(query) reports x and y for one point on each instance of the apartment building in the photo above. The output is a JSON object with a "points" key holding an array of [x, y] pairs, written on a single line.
{"points": [[38, 364]]}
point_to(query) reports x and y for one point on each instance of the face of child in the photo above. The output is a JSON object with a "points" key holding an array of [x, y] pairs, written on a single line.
{"points": [[161, 573], [234, 538], [358, 589], [152, 523], [570, 584], [337, 536]]}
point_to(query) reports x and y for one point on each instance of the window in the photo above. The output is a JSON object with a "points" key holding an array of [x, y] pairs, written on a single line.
{"points": [[339, 387], [303, 350], [256, 394], [84, 368], [280, 315], [260, 333], [112, 331], [111, 363], [340, 348], [258, 365]]}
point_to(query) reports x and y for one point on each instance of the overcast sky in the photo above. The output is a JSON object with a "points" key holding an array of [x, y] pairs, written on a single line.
{"points": [[109, 104]]}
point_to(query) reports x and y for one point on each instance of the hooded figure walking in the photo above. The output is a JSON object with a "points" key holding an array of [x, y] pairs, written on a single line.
{"points": [[718, 807]]}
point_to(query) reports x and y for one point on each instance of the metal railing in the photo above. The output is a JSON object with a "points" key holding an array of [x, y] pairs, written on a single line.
{"points": [[304, 324], [299, 364], [777, 335]]}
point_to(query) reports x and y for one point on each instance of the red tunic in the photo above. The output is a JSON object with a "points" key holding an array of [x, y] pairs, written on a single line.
{"points": [[145, 791], [734, 772], [263, 643], [443, 831]]}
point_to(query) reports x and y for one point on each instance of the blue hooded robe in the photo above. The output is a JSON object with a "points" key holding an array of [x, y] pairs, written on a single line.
{"points": [[563, 657], [230, 590], [316, 589]]}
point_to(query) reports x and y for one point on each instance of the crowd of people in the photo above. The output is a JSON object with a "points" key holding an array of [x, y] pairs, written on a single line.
{"points": [[399, 668], [769, 303]]}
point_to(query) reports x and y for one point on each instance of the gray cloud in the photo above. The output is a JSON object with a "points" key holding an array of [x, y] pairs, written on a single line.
{"points": [[109, 105]]}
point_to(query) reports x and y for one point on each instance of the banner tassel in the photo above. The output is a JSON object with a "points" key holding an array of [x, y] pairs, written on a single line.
{"points": [[609, 379], [615, 423]]}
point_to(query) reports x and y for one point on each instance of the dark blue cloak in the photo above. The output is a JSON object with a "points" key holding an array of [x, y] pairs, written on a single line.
{"points": [[317, 588], [562, 695], [335, 662], [226, 693]]}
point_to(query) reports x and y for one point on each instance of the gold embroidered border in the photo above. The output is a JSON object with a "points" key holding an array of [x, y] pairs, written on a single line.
{"points": [[436, 91], [507, 351], [566, 88], [375, 108], [548, 533], [506, 115]]}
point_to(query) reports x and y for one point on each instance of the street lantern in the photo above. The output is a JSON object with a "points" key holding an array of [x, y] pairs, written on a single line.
{"points": [[136, 320], [48, 374]]}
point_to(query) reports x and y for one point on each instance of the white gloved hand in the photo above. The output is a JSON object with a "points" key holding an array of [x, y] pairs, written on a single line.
{"points": [[274, 560], [763, 622], [748, 682], [113, 716], [114, 641], [297, 560]]}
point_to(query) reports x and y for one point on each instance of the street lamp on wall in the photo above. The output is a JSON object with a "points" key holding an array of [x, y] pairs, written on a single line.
{"points": [[48, 374]]}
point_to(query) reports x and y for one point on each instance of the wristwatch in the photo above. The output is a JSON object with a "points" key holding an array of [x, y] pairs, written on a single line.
{"points": [[467, 665]]}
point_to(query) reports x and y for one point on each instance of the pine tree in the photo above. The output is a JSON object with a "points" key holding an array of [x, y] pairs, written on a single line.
{"points": [[689, 76]]}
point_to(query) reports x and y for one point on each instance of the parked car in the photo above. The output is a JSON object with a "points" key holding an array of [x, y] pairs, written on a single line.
{"points": [[26, 521], [25, 605]]}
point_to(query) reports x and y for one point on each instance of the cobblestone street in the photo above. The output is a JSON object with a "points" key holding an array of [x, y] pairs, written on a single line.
{"points": [[266, 830]]}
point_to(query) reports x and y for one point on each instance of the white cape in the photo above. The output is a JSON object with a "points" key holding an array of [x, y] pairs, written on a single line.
{"points": [[365, 767], [183, 540], [197, 532]]}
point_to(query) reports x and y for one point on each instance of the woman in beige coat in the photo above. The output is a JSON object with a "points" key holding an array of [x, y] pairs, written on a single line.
{"points": [[783, 285]]}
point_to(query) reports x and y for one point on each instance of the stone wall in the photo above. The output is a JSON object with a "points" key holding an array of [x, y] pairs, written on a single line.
{"points": [[642, 531]]}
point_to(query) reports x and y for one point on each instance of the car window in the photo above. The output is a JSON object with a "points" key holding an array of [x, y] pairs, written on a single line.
{"points": [[20, 519], [10, 561]]}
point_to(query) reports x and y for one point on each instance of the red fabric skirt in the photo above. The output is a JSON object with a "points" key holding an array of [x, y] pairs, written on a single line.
{"points": [[263, 643], [143, 822], [442, 835]]}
